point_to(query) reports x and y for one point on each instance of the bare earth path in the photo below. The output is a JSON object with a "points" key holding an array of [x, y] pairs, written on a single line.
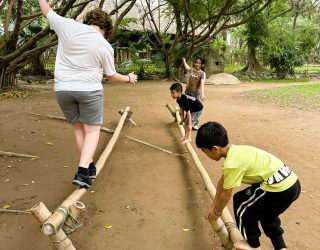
{"points": [[148, 196]]}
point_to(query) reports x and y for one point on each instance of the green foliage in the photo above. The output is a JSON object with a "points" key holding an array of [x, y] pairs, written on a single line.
{"points": [[286, 48], [257, 30], [284, 59], [126, 21], [218, 44]]}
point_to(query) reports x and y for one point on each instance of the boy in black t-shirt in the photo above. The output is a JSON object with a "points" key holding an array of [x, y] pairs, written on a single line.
{"points": [[191, 106]]}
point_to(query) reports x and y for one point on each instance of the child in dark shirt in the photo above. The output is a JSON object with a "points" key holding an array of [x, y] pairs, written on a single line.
{"points": [[189, 104]]}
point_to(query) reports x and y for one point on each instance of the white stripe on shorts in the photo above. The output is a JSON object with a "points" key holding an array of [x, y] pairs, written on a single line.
{"points": [[239, 213]]}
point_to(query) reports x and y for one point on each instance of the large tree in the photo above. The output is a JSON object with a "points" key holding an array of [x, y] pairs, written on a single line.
{"points": [[192, 24], [19, 17], [256, 32]]}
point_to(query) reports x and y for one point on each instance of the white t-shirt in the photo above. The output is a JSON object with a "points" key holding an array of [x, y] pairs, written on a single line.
{"points": [[83, 55]]}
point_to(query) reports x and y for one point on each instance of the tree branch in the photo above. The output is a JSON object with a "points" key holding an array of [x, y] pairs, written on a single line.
{"points": [[119, 19], [2, 5], [7, 19], [117, 8]]}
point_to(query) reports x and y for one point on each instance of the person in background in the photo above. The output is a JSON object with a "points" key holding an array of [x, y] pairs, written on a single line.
{"points": [[195, 85]]}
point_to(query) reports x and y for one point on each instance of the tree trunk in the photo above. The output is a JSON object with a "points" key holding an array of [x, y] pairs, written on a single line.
{"points": [[38, 67], [168, 66], [7, 79], [252, 63]]}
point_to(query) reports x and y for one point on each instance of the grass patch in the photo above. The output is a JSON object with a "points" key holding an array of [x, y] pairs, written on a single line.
{"points": [[301, 96], [233, 68], [304, 69], [290, 80]]}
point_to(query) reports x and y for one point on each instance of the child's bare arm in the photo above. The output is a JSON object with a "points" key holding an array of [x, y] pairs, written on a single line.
{"points": [[220, 201], [181, 116], [45, 7], [186, 66], [189, 125], [202, 86]]}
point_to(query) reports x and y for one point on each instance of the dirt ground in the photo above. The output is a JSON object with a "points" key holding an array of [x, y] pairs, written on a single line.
{"points": [[146, 195]]}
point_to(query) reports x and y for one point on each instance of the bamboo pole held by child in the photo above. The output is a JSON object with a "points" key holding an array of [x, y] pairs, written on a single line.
{"points": [[228, 234]]}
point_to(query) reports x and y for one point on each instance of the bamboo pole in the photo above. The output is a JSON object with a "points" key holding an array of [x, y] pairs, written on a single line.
{"points": [[234, 233], [13, 154], [154, 146], [173, 113], [129, 117], [54, 222], [104, 129], [60, 240], [14, 211], [75, 210]]}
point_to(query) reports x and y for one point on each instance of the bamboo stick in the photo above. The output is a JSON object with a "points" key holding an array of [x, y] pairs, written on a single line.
{"points": [[234, 233], [173, 113], [60, 240], [153, 146], [13, 211], [13, 154], [104, 129], [129, 118], [54, 222]]}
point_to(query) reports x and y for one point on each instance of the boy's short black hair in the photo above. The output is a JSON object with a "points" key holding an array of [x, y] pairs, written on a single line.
{"points": [[176, 87], [212, 134]]}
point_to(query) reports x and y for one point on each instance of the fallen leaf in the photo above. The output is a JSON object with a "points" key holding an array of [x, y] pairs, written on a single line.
{"points": [[107, 226], [7, 180], [50, 143], [33, 158], [185, 229], [6, 206]]}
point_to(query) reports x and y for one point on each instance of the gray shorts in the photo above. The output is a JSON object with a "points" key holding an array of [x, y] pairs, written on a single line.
{"points": [[82, 106], [194, 118]]}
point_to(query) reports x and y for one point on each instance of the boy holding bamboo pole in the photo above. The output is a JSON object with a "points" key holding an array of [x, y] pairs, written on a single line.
{"points": [[273, 187]]}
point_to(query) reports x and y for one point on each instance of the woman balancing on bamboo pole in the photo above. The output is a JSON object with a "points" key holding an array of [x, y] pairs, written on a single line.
{"points": [[83, 56], [274, 186]]}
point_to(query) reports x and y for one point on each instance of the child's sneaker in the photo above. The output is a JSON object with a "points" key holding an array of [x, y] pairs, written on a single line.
{"points": [[92, 171], [82, 180], [195, 127]]}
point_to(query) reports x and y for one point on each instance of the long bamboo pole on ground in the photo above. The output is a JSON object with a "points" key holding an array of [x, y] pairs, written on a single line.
{"points": [[226, 218], [54, 222], [13, 154], [154, 146], [104, 129]]}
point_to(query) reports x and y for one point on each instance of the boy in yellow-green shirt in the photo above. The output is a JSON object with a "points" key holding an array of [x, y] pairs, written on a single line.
{"points": [[274, 186]]}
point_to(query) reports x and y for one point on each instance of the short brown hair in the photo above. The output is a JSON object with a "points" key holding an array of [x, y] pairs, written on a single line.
{"points": [[101, 19]]}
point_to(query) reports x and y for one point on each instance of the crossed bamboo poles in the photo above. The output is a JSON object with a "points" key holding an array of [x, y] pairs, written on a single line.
{"points": [[52, 223]]}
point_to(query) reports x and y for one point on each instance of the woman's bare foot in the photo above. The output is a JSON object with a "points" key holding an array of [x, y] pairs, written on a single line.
{"points": [[243, 245]]}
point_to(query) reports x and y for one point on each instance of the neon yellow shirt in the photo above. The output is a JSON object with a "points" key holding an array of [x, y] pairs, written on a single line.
{"points": [[250, 165]]}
